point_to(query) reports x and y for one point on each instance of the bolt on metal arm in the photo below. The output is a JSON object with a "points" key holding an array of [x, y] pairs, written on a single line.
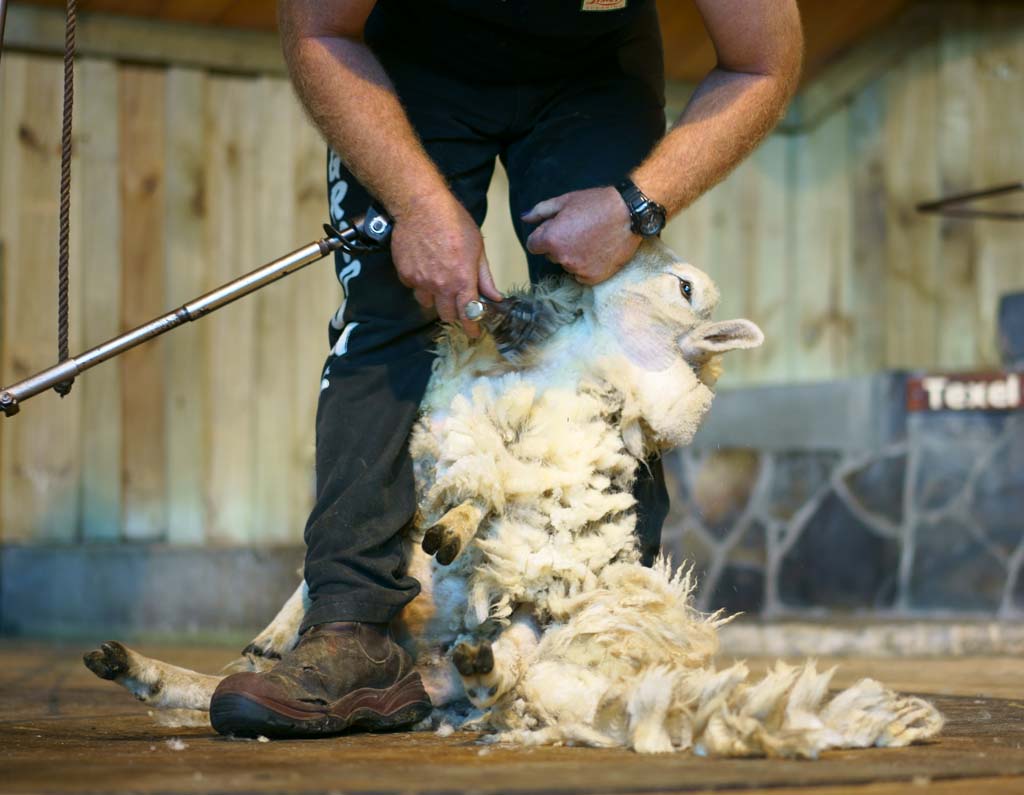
{"points": [[366, 234]]}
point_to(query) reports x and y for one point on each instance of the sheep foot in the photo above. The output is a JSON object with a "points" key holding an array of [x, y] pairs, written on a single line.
{"points": [[281, 635], [109, 661], [492, 669], [154, 682], [117, 663], [474, 658], [449, 537], [481, 679], [265, 649]]}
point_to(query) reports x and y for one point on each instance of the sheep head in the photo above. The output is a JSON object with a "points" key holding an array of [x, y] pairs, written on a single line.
{"points": [[657, 313]]}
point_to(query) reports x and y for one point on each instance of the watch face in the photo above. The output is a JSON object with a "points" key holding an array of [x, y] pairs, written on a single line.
{"points": [[652, 222]]}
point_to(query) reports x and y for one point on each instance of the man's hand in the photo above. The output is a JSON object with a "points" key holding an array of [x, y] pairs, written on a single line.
{"points": [[586, 232], [439, 252], [437, 249]]}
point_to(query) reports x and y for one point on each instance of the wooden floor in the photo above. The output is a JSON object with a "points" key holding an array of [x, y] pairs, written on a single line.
{"points": [[63, 730]]}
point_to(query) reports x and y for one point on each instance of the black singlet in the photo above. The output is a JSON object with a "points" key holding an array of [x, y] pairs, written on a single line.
{"points": [[511, 40]]}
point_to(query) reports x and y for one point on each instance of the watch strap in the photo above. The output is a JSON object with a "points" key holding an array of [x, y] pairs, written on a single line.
{"points": [[639, 205]]}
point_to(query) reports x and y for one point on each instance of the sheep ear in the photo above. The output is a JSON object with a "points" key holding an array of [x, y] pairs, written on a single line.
{"points": [[708, 339]]}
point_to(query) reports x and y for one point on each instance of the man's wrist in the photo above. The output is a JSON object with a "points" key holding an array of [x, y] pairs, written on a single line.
{"points": [[654, 186], [647, 217], [420, 198]]}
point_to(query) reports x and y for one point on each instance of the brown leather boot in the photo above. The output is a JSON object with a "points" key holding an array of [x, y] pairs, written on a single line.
{"points": [[340, 677]]}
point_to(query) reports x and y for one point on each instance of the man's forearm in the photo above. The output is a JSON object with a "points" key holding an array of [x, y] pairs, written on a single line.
{"points": [[728, 115], [348, 95], [436, 246], [759, 46]]}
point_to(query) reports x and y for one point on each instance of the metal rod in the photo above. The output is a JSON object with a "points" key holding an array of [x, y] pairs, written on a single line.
{"points": [[11, 397], [953, 206], [3, 19]]}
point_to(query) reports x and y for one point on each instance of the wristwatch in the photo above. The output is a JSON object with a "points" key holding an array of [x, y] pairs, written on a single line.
{"points": [[647, 217]]}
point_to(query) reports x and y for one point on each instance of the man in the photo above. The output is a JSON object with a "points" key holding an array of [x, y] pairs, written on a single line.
{"points": [[418, 98]]}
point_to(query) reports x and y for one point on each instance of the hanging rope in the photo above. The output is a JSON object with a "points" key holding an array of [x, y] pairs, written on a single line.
{"points": [[71, 22]]}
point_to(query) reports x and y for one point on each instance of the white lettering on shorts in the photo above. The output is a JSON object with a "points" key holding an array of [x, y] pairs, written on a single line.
{"points": [[338, 191], [347, 274], [341, 346], [333, 167]]}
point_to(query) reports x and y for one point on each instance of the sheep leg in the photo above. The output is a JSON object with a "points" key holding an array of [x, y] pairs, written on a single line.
{"points": [[453, 532], [489, 669], [166, 686], [282, 633], [156, 683]]}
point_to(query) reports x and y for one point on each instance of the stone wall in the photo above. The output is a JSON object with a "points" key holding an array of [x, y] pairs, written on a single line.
{"points": [[917, 514]]}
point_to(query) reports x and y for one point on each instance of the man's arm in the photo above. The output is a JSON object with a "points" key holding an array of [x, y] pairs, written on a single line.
{"points": [[759, 46], [436, 246]]}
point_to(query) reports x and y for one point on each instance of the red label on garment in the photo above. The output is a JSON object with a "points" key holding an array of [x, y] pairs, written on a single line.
{"points": [[602, 5]]}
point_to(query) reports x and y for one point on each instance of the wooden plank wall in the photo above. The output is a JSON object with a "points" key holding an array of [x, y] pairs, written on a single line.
{"points": [[184, 179], [859, 281]]}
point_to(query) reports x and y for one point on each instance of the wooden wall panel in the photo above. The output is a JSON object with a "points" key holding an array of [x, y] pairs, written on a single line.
{"points": [[504, 254], [689, 234], [274, 377], [769, 277], [821, 250], [866, 301], [187, 274], [141, 135], [185, 179], [737, 233], [728, 246], [97, 212], [41, 457], [958, 104], [232, 146], [997, 156], [911, 175], [314, 295]]}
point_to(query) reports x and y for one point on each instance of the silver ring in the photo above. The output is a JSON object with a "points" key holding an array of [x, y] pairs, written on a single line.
{"points": [[474, 310]]}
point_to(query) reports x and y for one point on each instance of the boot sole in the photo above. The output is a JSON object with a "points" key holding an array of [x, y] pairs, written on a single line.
{"points": [[246, 715]]}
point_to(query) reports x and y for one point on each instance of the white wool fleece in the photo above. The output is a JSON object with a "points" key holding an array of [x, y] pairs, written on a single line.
{"points": [[549, 451]]}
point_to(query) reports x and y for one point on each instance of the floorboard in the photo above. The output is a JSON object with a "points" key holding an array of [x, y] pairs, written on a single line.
{"points": [[64, 731]]}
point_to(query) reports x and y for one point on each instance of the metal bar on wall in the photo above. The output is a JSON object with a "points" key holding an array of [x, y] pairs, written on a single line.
{"points": [[3, 20], [955, 206]]}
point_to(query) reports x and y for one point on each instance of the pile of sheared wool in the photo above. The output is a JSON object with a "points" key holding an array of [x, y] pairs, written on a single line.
{"points": [[630, 664]]}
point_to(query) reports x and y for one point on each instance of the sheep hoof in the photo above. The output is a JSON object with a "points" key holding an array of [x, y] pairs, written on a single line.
{"points": [[109, 661], [266, 651], [474, 659], [443, 543], [433, 539]]}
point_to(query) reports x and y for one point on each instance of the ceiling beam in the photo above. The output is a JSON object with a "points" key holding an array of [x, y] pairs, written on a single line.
{"points": [[227, 49], [138, 39]]}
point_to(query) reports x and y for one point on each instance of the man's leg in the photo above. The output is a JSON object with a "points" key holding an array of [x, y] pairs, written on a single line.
{"points": [[372, 385], [370, 392], [589, 133], [346, 672]]}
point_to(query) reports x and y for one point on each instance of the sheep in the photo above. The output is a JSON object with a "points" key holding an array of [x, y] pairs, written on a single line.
{"points": [[524, 544]]}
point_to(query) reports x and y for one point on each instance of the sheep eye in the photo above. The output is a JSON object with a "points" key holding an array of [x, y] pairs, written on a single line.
{"points": [[686, 288]]}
